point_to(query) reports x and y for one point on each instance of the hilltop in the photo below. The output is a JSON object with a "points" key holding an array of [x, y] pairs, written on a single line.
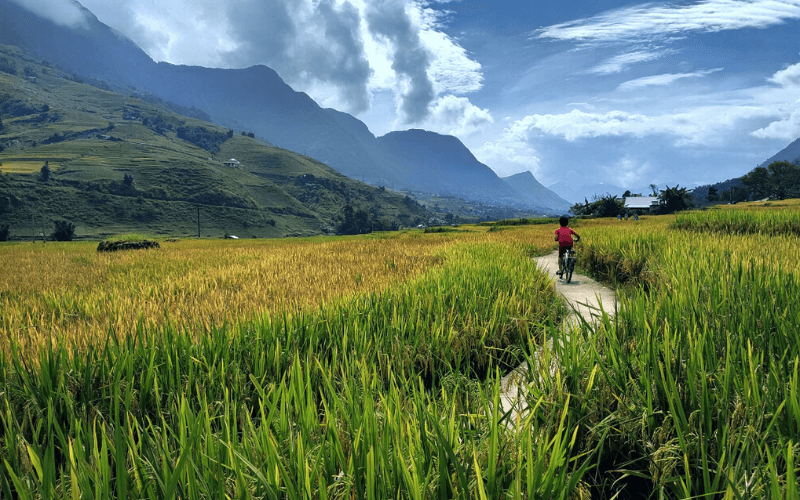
{"points": [[129, 162]]}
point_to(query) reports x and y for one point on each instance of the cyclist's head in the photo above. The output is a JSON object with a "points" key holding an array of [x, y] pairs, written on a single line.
{"points": [[564, 220]]}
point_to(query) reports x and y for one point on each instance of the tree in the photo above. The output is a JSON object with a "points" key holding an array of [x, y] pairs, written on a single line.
{"points": [[713, 194], [608, 206], [44, 173], [654, 188], [674, 199], [733, 195], [127, 179], [783, 179], [65, 231], [758, 183], [4, 232]]}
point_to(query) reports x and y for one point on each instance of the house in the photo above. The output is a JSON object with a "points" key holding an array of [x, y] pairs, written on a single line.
{"points": [[641, 203], [232, 163]]}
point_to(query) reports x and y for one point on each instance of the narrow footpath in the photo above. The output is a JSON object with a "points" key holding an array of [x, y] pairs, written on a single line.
{"points": [[585, 297]]}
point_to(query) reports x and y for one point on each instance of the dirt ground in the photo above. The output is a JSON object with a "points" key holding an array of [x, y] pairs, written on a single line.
{"points": [[586, 297]]}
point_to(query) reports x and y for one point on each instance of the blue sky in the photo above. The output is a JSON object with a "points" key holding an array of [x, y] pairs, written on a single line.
{"points": [[624, 93]]}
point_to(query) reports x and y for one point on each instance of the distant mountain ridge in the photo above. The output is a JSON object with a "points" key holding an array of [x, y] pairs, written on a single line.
{"points": [[790, 153], [527, 185], [256, 99]]}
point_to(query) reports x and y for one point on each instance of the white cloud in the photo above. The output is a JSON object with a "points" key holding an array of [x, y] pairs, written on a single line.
{"points": [[788, 129], [702, 125], [663, 80], [326, 48], [787, 126], [61, 12], [509, 155], [457, 116], [628, 171], [648, 20], [619, 63]]}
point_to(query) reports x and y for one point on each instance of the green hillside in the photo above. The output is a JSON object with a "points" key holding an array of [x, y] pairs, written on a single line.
{"points": [[119, 163]]}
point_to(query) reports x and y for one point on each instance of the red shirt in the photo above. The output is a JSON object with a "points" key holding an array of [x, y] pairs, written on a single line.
{"points": [[565, 236]]}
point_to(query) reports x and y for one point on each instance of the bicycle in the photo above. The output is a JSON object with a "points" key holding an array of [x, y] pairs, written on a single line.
{"points": [[568, 265]]}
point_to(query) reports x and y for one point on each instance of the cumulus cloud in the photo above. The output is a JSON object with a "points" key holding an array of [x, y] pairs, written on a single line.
{"points": [[511, 153], [665, 79], [628, 171], [387, 19], [787, 126], [339, 51], [457, 116], [62, 12], [651, 19]]}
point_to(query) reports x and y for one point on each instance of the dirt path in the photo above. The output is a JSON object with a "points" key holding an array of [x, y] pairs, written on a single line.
{"points": [[585, 296]]}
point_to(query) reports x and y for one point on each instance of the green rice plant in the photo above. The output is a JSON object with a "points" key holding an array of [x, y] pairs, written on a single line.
{"points": [[697, 393], [766, 220], [340, 402]]}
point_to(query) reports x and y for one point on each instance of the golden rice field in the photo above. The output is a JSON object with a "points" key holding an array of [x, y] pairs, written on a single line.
{"points": [[371, 367], [73, 293], [24, 167]]}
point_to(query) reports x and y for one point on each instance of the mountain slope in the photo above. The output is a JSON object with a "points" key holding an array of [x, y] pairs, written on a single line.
{"points": [[790, 153], [118, 163], [254, 99], [538, 195], [441, 164]]}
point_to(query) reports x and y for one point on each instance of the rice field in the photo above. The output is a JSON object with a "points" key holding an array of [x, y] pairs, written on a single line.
{"points": [[370, 367], [24, 167]]}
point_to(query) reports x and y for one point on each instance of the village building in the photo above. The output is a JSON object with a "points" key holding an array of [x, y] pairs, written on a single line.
{"points": [[233, 163], [641, 203]]}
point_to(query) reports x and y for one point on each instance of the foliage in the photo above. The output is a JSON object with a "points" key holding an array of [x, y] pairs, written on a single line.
{"points": [[778, 181], [7, 66], [605, 206], [357, 221], [674, 199], [202, 137], [4, 232], [44, 172], [64, 231]]}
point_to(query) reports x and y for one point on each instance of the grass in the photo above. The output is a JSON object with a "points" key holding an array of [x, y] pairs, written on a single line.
{"points": [[385, 381], [373, 395], [106, 138]]}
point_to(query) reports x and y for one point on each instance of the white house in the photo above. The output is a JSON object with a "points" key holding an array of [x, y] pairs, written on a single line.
{"points": [[641, 202], [232, 163]]}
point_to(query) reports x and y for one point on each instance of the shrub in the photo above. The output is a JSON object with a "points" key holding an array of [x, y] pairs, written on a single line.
{"points": [[65, 231], [4, 232], [44, 173]]}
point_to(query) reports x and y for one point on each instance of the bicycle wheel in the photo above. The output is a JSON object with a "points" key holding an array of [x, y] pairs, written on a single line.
{"points": [[569, 268]]}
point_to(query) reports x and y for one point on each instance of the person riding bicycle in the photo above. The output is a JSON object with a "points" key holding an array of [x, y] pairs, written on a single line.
{"points": [[564, 239]]}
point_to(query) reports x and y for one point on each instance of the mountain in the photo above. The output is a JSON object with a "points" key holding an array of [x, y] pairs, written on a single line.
{"points": [[256, 100], [116, 163], [441, 164], [790, 153], [527, 185]]}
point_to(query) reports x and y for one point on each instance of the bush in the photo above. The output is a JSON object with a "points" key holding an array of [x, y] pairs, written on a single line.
{"points": [[4, 232], [202, 137], [44, 173], [65, 231]]}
